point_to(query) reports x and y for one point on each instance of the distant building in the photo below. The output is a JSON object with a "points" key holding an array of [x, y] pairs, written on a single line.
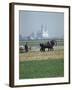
{"points": [[39, 35], [43, 33], [32, 36]]}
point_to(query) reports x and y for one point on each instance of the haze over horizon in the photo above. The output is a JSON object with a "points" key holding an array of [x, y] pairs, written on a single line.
{"points": [[31, 22]]}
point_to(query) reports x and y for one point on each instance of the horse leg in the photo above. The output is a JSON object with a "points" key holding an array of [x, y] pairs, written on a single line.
{"points": [[48, 49], [40, 49], [53, 49], [44, 49]]}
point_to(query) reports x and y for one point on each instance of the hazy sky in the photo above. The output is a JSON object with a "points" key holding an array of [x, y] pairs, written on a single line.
{"points": [[31, 21]]}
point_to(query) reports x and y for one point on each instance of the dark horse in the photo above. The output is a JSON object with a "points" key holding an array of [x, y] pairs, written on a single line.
{"points": [[48, 45]]}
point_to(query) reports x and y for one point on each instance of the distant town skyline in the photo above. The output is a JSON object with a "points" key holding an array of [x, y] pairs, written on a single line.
{"points": [[32, 21]]}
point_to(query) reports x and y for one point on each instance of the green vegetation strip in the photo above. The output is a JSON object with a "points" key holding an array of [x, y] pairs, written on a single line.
{"points": [[60, 42], [41, 69]]}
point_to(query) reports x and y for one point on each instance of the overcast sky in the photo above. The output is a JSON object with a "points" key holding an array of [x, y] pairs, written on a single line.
{"points": [[31, 21]]}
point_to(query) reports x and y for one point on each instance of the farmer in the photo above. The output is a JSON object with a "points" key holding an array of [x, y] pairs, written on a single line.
{"points": [[26, 47]]}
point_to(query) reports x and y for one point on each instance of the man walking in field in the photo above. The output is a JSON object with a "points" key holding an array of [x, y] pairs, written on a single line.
{"points": [[26, 47]]}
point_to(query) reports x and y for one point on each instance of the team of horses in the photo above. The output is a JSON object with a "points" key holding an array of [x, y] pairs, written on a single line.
{"points": [[43, 46], [49, 45]]}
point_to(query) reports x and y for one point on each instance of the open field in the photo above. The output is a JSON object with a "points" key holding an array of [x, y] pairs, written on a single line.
{"points": [[41, 55], [41, 69], [41, 64], [36, 64]]}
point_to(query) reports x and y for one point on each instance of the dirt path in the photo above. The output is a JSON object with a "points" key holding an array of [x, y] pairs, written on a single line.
{"points": [[41, 55]]}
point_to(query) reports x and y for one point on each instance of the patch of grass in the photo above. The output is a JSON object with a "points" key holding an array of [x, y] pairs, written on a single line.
{"points": [[60, 42], [41, 69]]}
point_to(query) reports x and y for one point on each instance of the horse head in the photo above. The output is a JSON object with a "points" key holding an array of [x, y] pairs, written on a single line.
{"points": [[53, 42]]}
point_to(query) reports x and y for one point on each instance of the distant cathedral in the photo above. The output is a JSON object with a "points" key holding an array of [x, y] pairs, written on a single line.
{"points": [[43, 33]]}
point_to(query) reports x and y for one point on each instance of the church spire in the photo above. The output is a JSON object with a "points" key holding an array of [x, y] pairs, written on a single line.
{"points": [[44, 31]]}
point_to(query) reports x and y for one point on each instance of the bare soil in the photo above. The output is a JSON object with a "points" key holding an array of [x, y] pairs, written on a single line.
{"points": [[37, 55]]}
